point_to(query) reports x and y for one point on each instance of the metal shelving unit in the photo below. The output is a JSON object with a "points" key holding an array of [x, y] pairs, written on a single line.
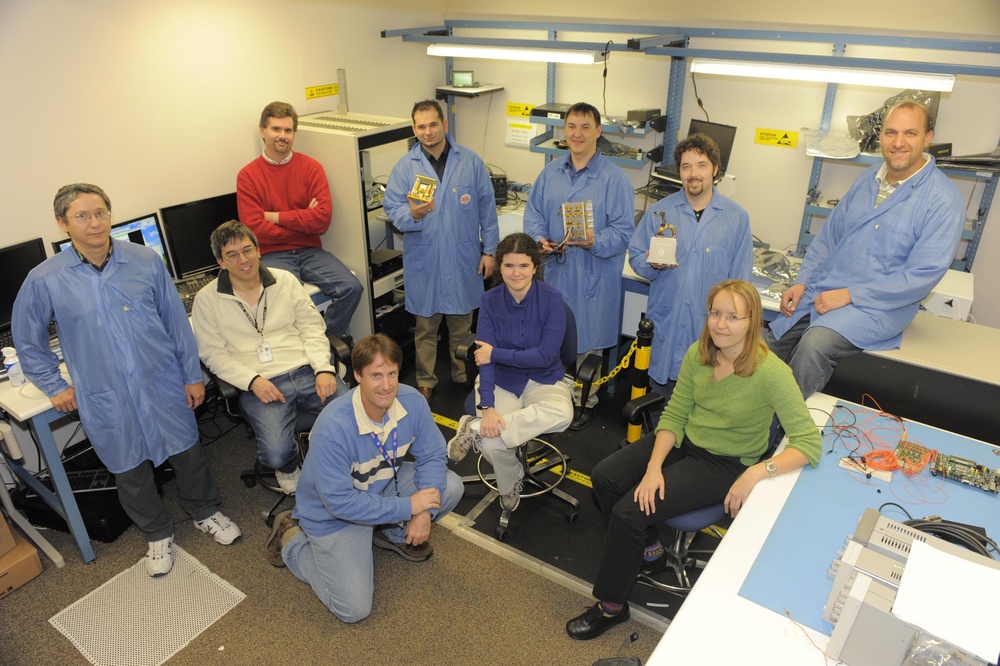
{"points": [[675, 42]]}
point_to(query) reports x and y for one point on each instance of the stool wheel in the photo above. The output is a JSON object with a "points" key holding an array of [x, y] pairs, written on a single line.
{"points": [[572, 516], [501, 533], [249, 482]]}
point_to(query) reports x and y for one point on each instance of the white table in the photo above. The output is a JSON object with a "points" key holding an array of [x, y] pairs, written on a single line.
{"points": [[27, 405], [717, 626]]}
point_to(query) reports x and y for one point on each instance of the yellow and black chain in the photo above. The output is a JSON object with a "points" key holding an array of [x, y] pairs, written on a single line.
{"points": [[621, 366]]}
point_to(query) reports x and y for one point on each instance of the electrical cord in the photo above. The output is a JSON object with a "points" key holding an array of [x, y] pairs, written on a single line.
{"points": [[949, 531], [697, 97]]}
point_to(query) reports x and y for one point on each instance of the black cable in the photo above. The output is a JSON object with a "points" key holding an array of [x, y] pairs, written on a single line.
{"points": [[898, 506], [701, 105]]}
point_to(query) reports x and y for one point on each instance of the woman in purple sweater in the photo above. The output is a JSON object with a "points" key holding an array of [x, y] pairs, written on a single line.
{"points": [[520, 392]]}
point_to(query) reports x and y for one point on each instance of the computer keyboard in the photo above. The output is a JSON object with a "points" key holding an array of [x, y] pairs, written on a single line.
{"points": [[82, 481], [189, 287]]}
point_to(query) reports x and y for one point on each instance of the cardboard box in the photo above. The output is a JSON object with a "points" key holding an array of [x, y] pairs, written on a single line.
{"points": [[18, 566], [6, 536]]}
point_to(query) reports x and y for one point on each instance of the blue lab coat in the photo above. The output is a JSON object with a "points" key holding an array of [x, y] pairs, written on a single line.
{"points": [[441, 252], [128, 346], [589, 279], [717, 248], [888, 257]]}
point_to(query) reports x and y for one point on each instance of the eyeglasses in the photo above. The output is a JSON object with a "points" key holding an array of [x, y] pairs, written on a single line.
{"points": [[730, 318], [247, 252], [84, 217]]}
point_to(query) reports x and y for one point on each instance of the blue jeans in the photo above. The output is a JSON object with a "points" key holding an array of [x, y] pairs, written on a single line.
{"points": [[320, 268], [812, 352], [339, 567], [275, 423]]}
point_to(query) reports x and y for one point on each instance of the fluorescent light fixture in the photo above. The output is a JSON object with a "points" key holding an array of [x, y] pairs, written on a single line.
{"points": [[573, 57], [849, 75]]}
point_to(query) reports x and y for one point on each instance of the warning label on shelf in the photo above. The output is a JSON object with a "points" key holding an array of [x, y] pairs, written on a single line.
{"points": [[775, 137]]}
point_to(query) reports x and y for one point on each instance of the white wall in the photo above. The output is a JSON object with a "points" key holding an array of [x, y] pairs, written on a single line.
{"points": [[158, 102], [769, 182]]}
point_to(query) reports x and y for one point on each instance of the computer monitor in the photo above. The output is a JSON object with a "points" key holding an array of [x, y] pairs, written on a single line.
{"points": [[16, 261], [188, 228], [723, 135], [143, 230]]}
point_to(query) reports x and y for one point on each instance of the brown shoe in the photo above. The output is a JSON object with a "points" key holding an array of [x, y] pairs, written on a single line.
{"points": [[404, 550], [283, 522], [426, 391]]}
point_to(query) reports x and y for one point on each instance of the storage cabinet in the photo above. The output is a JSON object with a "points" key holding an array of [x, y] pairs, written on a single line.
{"points": [[355, 150]]}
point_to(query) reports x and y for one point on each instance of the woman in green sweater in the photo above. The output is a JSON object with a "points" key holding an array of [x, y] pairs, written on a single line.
{"points": [[707, 448]]}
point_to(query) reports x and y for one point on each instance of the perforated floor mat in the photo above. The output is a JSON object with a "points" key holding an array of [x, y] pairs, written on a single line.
{"points": [[135, 620]]}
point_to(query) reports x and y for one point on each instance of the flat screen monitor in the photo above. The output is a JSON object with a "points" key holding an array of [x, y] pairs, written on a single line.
{"points": [[188, 228], [723, 135], [16, 261], [143, 230]]}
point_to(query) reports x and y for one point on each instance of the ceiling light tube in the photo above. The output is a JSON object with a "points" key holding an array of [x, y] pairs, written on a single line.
{"points": [[847, 75], [573, 57]]}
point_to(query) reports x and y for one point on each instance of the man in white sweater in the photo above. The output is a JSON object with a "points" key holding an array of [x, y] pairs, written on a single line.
{"points": [[259, 330]]}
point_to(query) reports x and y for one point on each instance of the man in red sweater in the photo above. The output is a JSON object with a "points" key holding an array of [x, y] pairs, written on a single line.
{"points": [[285, 199]]}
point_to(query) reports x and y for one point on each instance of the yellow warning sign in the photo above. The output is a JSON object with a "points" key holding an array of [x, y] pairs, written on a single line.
{"points": [[775, 137], [329, 90], [517, 109]]}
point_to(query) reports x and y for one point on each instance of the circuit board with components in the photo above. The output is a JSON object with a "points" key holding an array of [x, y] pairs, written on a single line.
{"points": [[966, 471]]}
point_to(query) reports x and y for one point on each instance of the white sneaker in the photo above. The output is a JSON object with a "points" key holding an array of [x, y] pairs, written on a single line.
{"points": [[288, 481], [466, 437], [224, 530], [160, 557]]}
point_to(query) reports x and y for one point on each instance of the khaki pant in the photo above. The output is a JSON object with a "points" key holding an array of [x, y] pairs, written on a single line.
{"points": [[425, 345]]}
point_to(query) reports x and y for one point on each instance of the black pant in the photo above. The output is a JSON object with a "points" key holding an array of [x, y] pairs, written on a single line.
{"points": [[693, 478], [196, 491]]}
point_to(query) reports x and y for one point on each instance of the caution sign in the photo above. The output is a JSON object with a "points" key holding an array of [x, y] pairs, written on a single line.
{"points": [[519, 110], [329, 90], [775, 137]]}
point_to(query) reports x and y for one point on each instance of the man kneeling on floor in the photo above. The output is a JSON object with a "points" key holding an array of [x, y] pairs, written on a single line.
{"points": [[355, 490]]}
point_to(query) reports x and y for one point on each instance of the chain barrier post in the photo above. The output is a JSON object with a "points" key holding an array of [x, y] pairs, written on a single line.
{"points": [[640, 374]]}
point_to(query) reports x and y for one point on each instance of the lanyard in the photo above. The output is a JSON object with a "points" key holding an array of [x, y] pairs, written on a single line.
{"points": [[385, 455], [253, 320]]}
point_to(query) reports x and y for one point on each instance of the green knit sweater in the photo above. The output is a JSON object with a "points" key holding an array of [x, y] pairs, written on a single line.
{"points": [[733, 417]]}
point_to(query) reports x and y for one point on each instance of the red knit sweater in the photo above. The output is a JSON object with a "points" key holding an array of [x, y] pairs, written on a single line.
{"points": [[286, 190]]}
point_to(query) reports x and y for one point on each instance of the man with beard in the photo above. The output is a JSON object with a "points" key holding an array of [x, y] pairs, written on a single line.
{"points": [[713, 244]]}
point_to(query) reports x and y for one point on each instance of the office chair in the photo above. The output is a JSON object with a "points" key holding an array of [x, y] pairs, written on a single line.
{"points": [[537, 455], [682, 529], [261, 473]]}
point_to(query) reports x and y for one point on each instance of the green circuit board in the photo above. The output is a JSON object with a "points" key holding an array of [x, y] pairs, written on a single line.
{"points": [[966, 471]]}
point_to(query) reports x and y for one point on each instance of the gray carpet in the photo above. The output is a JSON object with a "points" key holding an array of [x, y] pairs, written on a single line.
{"points": [[466, 605]]}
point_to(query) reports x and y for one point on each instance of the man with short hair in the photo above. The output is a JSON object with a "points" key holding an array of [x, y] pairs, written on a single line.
{"points": [[881, 251], [134, 365], [259, 330], [448, 240], [357, 490], [588, 272], [284, 198], [713, 244]]}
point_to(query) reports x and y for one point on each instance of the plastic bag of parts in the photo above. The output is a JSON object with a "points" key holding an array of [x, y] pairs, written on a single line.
{"points": [[829, 145], [929, 650], [775, 267], [866, 129]]}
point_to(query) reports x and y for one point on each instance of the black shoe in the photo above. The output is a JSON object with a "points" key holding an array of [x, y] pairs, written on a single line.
{"points": [[582, 419], [594, 622]]}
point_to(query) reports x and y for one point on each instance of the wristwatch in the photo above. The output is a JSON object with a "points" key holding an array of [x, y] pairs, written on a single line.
{"points": [[771, 467], [483, 408]]}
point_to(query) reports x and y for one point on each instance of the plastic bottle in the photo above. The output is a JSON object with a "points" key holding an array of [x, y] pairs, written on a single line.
{"points": [[13, 366]]}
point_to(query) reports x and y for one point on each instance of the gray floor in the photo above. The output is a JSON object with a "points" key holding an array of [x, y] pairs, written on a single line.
{"points": [[475, 601]]}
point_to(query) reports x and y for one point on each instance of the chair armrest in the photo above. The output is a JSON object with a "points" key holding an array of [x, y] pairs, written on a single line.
{"points": [[465, 347], [225, 390], [589, 370], [637, 409], [341, 356]]}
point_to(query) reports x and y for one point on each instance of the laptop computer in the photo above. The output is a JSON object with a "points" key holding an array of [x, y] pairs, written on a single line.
{"points": [[723, 135]]}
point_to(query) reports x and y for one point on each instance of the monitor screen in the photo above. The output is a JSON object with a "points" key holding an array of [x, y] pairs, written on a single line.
{"points": [[463, 79], [16, 261], [143, 230], [188, 228], [724, 135]]}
